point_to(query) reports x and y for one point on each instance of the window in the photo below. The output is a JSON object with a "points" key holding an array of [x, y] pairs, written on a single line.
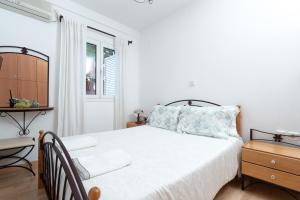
{"points": [[101, 67], [91, 68]]}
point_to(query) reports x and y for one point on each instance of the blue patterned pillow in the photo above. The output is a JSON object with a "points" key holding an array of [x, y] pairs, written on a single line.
{"points": [[218, 122], [165, 117]]}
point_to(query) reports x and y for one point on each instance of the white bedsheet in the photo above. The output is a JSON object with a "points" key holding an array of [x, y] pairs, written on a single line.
{"points": [[166, 165]]}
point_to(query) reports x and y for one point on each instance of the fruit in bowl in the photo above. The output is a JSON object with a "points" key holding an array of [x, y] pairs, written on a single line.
{"points": [[23, 103]]}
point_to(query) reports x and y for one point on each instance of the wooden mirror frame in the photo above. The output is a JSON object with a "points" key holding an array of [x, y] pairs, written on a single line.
{"points": [[28, 52]]}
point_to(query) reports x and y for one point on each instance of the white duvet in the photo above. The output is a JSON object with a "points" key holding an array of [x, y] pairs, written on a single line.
{"points": [[166, 165]]}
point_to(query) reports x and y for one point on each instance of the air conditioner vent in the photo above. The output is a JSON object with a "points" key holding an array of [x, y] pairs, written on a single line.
{"points": [[38, 9]]}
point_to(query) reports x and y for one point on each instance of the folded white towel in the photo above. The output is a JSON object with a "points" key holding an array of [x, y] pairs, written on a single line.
{"points": [[95, 165], [79, 142]]}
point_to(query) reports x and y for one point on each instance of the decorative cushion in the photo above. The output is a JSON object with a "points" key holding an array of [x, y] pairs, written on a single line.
{"points": [[165, 117], [218, 122]]}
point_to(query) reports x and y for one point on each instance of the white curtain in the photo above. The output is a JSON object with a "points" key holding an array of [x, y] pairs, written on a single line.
{"points": [[119, 115], [71, 92]]}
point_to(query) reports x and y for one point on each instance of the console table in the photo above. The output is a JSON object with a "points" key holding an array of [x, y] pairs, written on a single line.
{"points": [[6, 112]]}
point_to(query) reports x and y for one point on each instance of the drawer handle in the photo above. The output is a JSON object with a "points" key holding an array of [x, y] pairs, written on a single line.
{"points": [[273, 162], [273, 177]]}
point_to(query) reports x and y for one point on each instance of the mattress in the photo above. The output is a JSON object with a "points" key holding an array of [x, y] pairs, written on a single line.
{"points": [[165, 165]]}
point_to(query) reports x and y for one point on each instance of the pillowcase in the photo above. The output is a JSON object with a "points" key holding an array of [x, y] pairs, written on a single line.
{"points": [[218, 122], [232, 113], [165, 117]]}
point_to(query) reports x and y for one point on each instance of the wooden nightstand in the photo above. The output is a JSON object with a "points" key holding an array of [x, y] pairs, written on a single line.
{"points": [[134, 124], [273, 163]]}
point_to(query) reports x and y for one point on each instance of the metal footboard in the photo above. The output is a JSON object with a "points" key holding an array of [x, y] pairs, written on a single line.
{"points": [[57, 172]]}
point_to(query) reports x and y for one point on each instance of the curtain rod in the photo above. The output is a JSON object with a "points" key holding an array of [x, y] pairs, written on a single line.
{"points": [[129, 42], [61, 18]]}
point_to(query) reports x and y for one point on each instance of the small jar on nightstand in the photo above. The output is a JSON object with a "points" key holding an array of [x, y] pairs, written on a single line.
{"points": [[135, 124]]}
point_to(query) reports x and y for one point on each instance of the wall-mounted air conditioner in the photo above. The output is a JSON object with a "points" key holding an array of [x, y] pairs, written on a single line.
{"points": [[39, 9]]}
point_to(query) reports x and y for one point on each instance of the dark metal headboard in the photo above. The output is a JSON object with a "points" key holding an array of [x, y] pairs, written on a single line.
{"points": [[196, 102], [191, 102]]}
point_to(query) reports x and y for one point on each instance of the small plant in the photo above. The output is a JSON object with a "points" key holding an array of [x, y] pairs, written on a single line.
{"points": [[138, 112]]}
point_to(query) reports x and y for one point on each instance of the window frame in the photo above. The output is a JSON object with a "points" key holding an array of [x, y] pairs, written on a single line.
{"points": [[101, 41], [92, 96]]}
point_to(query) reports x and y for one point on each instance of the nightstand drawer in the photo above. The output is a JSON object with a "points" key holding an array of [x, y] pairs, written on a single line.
{"points": [[273, 161], [272, 176]]}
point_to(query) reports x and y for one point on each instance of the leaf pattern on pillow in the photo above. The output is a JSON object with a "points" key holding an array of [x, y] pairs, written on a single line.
{"points": [[218, 122], [165, 117]]}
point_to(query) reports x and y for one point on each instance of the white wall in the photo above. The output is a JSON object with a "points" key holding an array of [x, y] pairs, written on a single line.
{"points": [[19, 30], [239, 52]]}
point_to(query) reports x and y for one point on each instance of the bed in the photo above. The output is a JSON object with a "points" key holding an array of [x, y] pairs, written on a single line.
{"points": [[166, 165]]}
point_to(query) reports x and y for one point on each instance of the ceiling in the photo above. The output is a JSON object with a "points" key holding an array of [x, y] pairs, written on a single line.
{"points": [[132, 14]]}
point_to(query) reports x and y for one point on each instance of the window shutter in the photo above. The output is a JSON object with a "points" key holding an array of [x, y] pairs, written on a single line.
{"points": [[110, 71]]}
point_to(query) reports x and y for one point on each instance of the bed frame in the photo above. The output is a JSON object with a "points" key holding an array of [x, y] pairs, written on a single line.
{"points": [[201, 103], [57, 173]]}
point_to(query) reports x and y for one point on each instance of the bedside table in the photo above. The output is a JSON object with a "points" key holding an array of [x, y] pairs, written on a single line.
{"points": [[272, 163], [134, 124]]}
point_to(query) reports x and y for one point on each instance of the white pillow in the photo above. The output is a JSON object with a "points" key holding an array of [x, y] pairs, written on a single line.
{"points": [[233, 112], [216, 121], [165, 117]]}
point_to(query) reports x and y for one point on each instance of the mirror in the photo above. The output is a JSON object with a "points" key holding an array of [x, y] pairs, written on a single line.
{"points": [[25, 76]]}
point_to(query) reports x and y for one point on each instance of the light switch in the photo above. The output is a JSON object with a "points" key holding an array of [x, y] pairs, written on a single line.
{"points": [[193, 83]]}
